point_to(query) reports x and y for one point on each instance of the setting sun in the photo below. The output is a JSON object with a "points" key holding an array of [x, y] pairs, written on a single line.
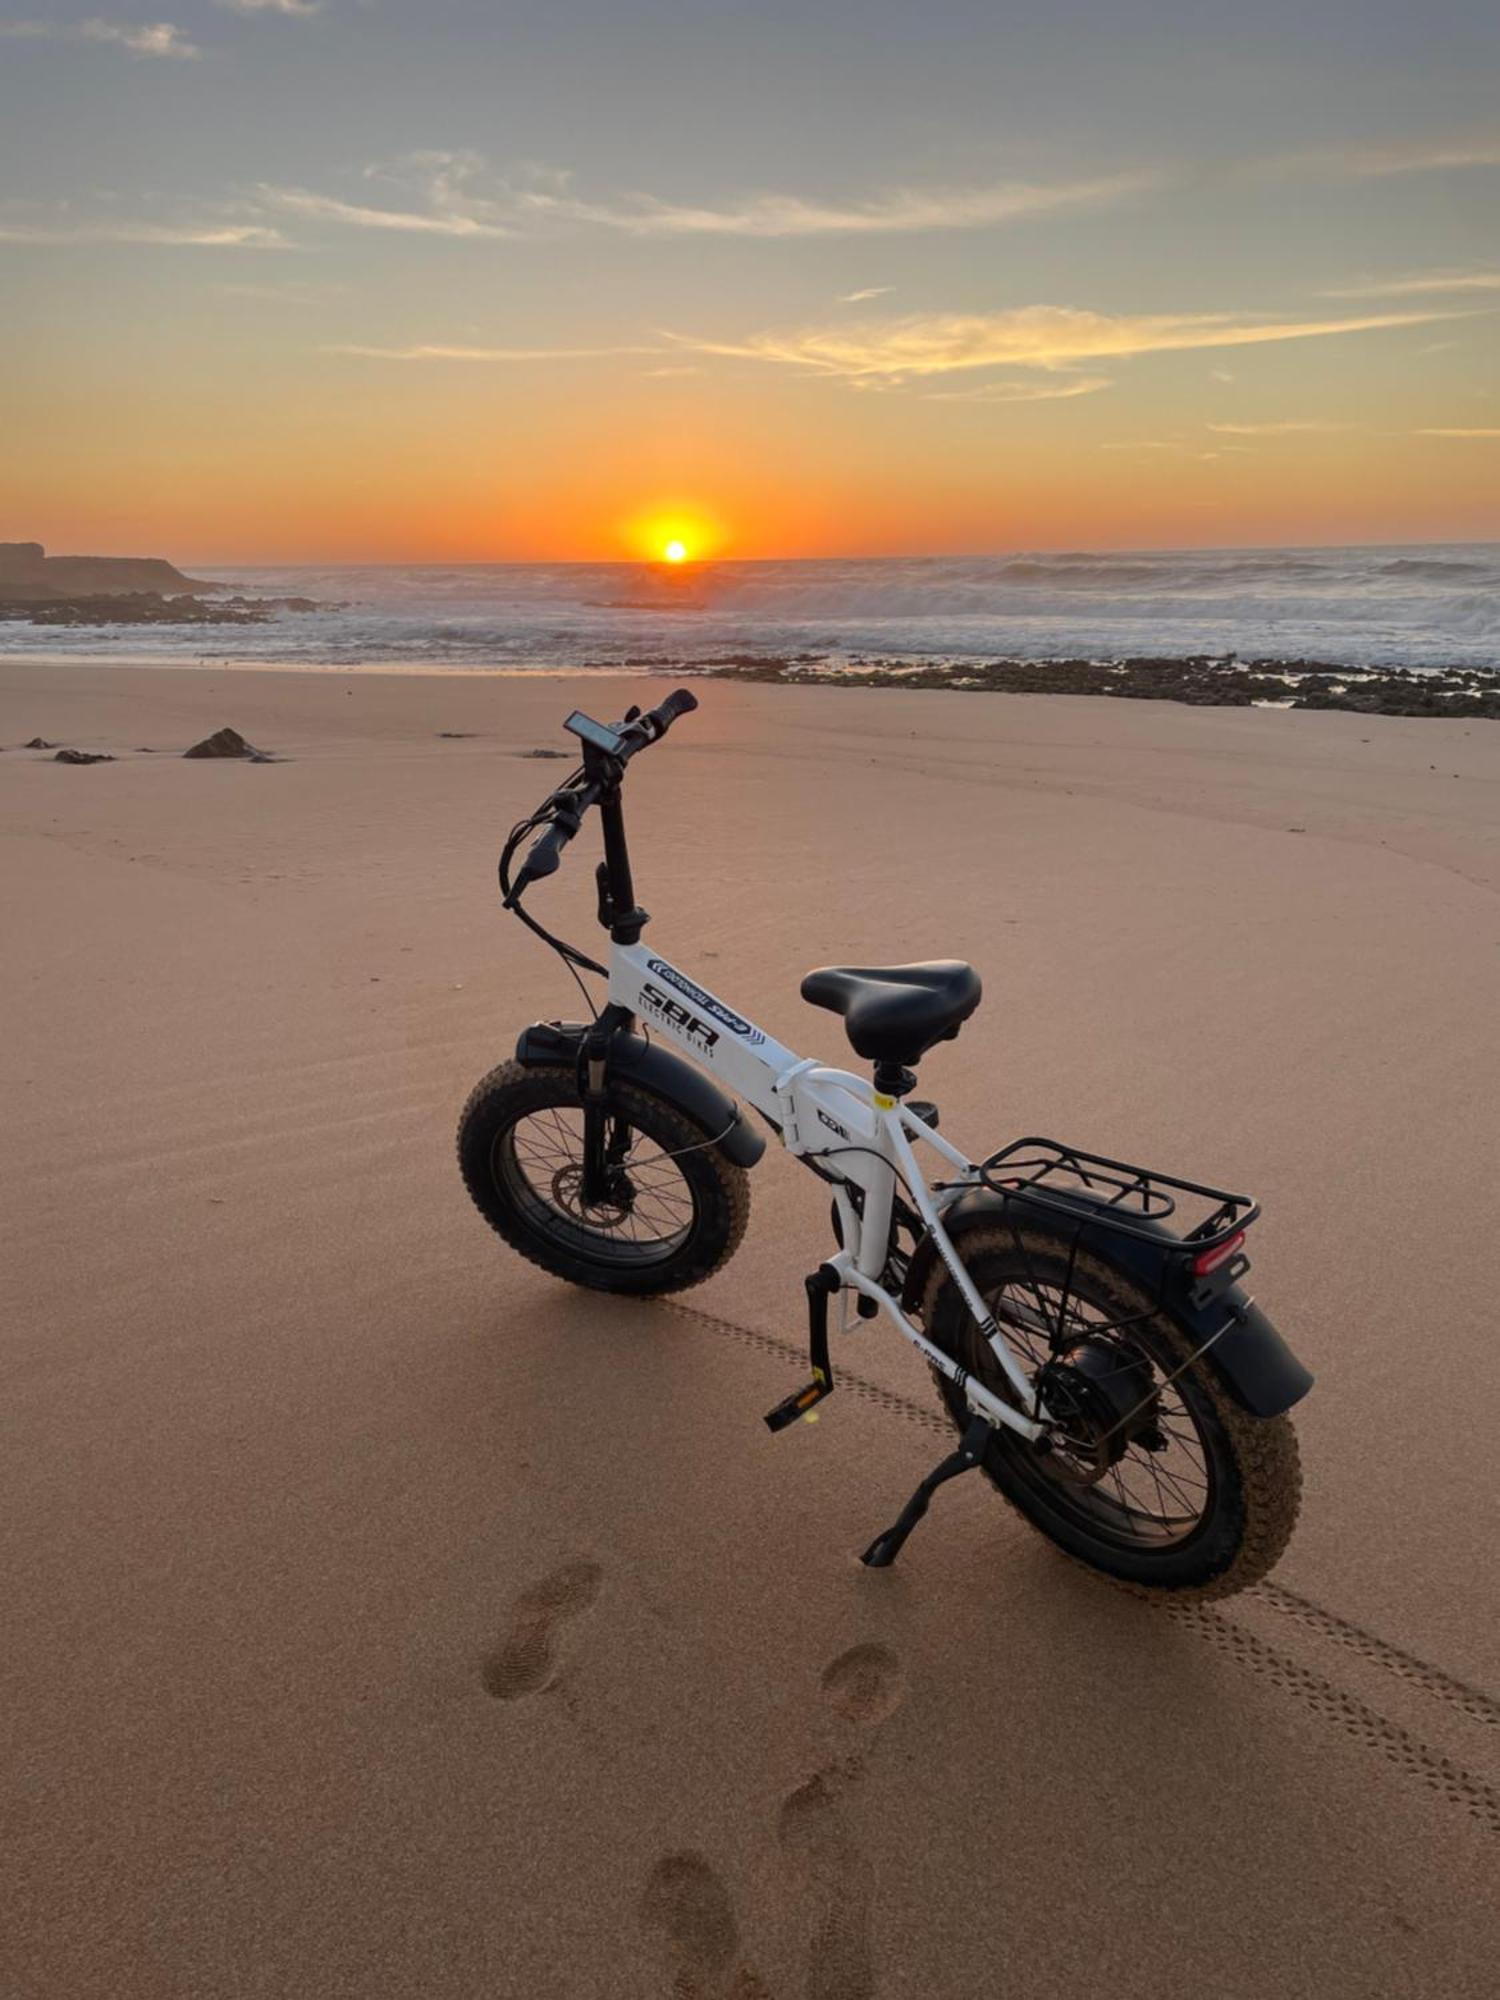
{"points": [[678, 531]]}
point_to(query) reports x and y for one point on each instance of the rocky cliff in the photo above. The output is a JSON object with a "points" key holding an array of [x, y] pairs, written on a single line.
{"points": [[29, 575]]}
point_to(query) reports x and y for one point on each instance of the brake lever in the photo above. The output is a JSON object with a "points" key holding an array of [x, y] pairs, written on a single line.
{"points": [[565, 813]]}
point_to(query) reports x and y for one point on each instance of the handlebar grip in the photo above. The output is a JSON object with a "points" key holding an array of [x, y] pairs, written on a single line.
{"points": [[659, 720], [546, 852]]}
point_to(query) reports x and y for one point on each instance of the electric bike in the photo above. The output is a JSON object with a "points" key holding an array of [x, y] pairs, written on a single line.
{"points": [[1084, 1319]]}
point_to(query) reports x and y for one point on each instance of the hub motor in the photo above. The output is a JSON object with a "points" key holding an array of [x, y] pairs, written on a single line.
{"points": [[1104, 1397]]}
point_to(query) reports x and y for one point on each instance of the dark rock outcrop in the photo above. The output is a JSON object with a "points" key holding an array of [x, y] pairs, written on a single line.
{"points": [[29, 575], [83, 757], [40, 589], [229, 743]]}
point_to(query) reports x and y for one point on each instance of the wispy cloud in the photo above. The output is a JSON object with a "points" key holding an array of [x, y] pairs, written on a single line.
{"points": [[1442, 156], [149, 38], [789, 215], [1281, 427], [301, 8], [495, 354], [456, 194], [1459, 432], [869, 292], [1182, 448], [1023, 392], [1450, 153], [1220, 375], [1416, 285], [328, 208], [1041, 336], [170, 235]]}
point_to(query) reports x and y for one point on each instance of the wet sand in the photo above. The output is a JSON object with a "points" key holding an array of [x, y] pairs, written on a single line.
{"points": [[386, 1618]]}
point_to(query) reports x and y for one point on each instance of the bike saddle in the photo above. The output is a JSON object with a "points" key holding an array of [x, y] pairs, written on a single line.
{"points": [[894, 1013]]}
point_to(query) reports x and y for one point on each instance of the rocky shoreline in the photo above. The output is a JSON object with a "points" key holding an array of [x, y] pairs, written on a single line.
{"points": [[149, 607], [1199, 681]]}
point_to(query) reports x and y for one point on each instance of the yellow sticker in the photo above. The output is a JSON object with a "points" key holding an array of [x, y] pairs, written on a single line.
{"points": [[885, 1103]]}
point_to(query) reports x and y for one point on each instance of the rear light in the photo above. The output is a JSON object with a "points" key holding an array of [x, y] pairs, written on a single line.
{"points": [[1210, 1260]]}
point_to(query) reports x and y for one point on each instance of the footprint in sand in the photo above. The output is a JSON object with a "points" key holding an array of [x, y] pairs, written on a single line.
{"points": [[524, 1660], [865, 1685], [836, 1880], [686, 1909], [687, 1914]]}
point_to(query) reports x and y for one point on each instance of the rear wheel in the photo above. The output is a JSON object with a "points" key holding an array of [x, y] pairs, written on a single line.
{"points": [[672, 1209], [1157, 1478]]}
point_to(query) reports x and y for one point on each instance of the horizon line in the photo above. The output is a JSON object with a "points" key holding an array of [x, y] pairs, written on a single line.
{"points": [[744, 562]]}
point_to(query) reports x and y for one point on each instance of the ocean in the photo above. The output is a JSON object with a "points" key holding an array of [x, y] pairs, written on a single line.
{"points": [[1421, 607]]}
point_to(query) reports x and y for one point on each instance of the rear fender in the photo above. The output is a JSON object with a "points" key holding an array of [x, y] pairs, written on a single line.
{"points": [[660, 1070], [1251, 1359]]}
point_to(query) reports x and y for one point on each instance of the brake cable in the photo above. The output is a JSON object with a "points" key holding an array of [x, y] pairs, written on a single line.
{"points": [[574, 959]]}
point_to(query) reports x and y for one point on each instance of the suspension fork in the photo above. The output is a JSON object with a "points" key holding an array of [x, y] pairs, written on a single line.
{"points": [[593, 1082]]}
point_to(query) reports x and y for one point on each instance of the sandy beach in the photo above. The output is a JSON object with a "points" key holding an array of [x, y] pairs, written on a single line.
{"points": [[386, 1618]]}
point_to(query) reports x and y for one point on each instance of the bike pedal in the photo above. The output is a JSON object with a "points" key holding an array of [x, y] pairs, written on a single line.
{"points": [[800, 1404]]}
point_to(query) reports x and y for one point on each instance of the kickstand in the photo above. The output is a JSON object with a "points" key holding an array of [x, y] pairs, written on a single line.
{"points": [[885, 1548]]}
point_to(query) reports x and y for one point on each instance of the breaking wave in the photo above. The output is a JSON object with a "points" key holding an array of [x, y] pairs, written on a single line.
{"points": [[1422, 606]]}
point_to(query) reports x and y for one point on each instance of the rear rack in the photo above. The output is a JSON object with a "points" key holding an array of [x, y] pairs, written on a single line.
{"points": [[1044, 1173]]}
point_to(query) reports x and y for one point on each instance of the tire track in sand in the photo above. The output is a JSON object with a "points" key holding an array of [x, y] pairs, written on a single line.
{"points": [[1315, 1692]]}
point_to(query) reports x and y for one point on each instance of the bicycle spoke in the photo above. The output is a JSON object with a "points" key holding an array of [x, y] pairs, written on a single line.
{"points": [[646, 1207]]}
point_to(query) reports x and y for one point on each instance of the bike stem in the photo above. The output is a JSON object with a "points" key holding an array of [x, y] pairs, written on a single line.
{"points": [[617, 904]]}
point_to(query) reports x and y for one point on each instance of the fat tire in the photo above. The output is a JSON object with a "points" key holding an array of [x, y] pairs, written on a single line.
{"points": [[720, 1188], [1257, 1463]]}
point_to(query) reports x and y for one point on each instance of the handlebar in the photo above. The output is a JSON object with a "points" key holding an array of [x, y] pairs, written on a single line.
{"points": [[570, 804]]}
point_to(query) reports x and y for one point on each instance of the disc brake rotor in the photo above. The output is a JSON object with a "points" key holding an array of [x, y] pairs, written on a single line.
{"points": [[567, 1193]]}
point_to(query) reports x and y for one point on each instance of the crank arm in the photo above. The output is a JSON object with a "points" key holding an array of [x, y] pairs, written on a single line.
{"points": [[822, 1285], [790, 1408]]}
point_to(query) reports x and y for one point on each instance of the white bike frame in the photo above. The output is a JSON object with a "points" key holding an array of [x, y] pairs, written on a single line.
{"points": [[859, 1137]]}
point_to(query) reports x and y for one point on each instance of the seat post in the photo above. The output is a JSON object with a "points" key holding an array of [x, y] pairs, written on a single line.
{"points": [[892, 1079]]}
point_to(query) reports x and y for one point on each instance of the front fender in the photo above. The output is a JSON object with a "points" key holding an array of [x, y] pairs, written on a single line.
{"points": [[1251, 1359], [661, 1071]]}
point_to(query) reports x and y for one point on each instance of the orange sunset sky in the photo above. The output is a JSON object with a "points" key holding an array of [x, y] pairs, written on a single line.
{"points": [[291, 281]]}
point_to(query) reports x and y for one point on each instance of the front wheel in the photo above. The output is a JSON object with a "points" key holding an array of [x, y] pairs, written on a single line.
{"points": [[672, 1208], [1154, 1475]]}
